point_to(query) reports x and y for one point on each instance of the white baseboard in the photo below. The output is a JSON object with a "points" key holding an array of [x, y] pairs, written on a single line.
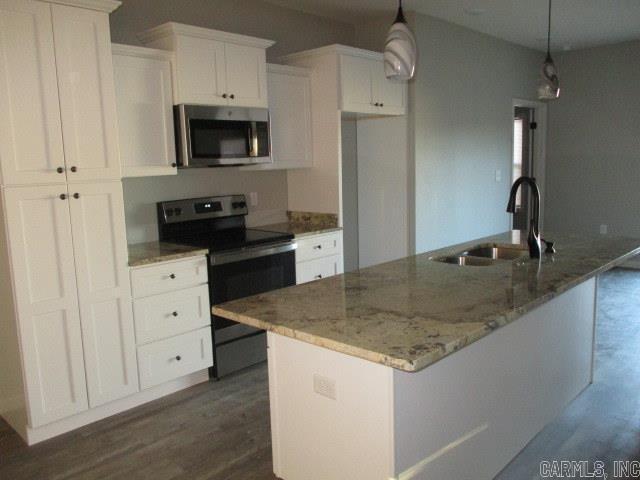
{"points": [[36, 435]]}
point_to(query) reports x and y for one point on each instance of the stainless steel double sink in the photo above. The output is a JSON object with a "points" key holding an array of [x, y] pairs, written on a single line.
{"points": [[485, 255]]}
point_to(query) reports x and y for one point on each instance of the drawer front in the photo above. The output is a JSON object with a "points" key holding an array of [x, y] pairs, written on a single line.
{"points": [[318, 269], [168, 277], [319, 246], [174, 357], [163, 316]]}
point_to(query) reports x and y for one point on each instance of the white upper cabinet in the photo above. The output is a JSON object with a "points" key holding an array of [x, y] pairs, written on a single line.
{"points": [[43, 269], [355, 75], [104, 290], [365, 88], [145, 111], [56, 94], [290, 116], [30, 130], [213, 67], [87, 96]]}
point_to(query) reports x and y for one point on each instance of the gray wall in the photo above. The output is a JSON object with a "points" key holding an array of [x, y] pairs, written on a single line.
{"points": [[593, 166], [462, 127], [292, 30]]}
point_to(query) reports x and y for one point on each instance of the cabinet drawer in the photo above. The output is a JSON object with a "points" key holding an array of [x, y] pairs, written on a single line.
{"points": [[168, 277], [163, 316], [318, 269], [319, 246], [174, 357]]}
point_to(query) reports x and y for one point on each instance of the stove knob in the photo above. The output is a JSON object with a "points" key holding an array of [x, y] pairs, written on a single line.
{"points": [[239, 205], [177, 211]]}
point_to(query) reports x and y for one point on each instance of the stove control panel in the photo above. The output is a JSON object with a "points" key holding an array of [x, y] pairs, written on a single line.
{"points": [[201, 208]]}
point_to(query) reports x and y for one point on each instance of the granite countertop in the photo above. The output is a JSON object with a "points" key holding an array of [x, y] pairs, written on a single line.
{"points": [[410, 313], [302, 224], [299, 230], [141, 254]]}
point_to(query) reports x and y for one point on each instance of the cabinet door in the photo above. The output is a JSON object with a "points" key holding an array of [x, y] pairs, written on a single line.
{"points": [[42, 264], [200, 71], [87, 97], [246, 69], [290, 112], [145, 115], [30, 130], [390, 94], [355, 75], [104, 290]]}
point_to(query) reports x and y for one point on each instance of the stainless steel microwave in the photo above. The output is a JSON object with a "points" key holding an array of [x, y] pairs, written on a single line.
{"points": [[208, 136]]}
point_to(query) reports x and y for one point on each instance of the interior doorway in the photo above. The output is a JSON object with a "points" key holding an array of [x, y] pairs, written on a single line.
{"points": [[528, 157]]}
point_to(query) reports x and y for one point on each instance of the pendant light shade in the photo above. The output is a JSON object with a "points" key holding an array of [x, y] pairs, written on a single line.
{"points": [[549, 88], [400, 51]]}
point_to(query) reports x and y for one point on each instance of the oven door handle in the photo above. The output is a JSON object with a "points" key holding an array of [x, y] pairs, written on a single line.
{"points": [[249, 253]]}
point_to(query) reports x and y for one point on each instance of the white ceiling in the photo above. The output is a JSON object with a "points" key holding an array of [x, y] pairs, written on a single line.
{"points": [[575, 23]]}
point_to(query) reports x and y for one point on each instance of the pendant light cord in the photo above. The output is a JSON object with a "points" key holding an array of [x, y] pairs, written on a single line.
{"points": [[400, 17], [548, 30]]}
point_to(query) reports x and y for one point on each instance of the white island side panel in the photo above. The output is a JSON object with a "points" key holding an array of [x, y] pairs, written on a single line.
{"points": [[468, 415]]}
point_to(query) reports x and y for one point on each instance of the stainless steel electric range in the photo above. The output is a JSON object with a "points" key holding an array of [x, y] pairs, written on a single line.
{"points": [[242, 262]]}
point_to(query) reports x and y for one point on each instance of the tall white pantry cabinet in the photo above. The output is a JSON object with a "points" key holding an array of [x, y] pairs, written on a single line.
{"points": [[66, 325]]}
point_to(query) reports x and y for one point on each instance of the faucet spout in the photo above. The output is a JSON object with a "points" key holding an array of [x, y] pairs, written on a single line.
{"points": [[533, 239]]}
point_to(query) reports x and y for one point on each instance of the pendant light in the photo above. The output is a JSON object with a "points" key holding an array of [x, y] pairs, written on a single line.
{"points": [[400, 50], [549, 88]]}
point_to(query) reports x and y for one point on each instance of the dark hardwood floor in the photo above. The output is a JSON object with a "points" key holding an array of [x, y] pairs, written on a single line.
{"points": [[221, 430]]}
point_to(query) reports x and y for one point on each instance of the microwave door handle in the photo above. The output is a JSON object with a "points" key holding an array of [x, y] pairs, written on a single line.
{"points": [[253, 140]]}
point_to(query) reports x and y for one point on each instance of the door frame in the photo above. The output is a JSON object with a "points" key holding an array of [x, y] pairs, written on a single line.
{"points": [[540, 148]]}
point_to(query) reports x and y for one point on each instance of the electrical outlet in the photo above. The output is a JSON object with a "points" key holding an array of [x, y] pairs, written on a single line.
{"points": [[253, 199], [604, 229], [324, 386]]}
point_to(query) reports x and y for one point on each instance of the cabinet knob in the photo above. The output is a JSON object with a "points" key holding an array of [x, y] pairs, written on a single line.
{"points": [[63, 196], [318, 276], [174, 165], [60, 170], [232, 96], [224, 95], [317, 247], [382, 104], [76, 196], [178, 357], [175, 314], [376, 104], [172, 276], [74, 169]]}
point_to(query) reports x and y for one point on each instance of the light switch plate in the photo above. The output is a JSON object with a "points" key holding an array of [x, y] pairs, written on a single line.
{"points": [[604, 229], [498, 175], [253, 199]]}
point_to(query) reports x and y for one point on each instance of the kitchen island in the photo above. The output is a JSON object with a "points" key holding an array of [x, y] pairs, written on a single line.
{"points": [[420, 369]]}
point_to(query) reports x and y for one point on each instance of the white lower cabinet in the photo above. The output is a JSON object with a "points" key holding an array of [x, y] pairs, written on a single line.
{"points": [[42, 265], [68, 261], [104, 290], [318, 269], [174, 357], [162, 316], [319, 256], [172, 320]]}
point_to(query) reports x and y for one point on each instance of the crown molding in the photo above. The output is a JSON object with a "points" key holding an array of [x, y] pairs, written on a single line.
{"points": [[107, 6], [335, 49], [173, 28]]}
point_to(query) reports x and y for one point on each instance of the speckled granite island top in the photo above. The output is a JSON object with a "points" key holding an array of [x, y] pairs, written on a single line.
{"points": [[141, 254], [412, 312]]}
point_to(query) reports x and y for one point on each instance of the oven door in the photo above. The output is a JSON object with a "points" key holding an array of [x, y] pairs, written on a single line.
{"points": [[238, 275], [222, 136]]}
